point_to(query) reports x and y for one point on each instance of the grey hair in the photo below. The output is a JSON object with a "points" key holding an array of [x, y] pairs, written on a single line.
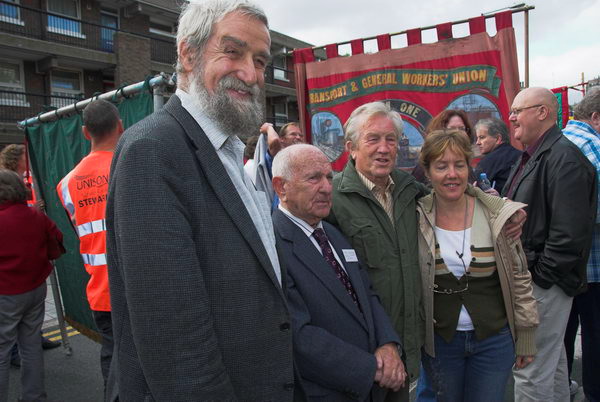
{"points": [[198, 18], [496, 128], [363, 113], [285, 160], [12, 188], [588, 105]]}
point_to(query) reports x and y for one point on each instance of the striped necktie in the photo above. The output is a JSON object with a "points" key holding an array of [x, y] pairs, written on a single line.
{"points": [[321, 237]]}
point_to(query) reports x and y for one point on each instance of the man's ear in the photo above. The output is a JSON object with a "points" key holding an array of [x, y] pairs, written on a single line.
{"points": [[595, 120], [349, 147], [544, 112], [86, 133], [279, 187], [186, 56]]}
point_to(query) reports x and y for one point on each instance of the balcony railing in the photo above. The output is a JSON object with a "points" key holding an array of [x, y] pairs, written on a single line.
{"points": [[17, 106], [25, 21], [163, 51]]}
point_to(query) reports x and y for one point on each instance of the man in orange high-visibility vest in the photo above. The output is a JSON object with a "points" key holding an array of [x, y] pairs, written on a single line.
{"points": [[83, 193]]}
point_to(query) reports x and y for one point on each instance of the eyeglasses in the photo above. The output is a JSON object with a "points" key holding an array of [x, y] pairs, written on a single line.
{"points": [[452, 291], [517, 111]]}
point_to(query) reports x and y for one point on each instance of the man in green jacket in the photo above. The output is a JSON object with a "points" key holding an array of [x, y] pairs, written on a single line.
{"points": [[374, 205]]}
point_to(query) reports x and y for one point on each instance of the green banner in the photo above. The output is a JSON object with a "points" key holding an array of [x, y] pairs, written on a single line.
{"points": [[55, 148], [435, 81], [559, 117]]}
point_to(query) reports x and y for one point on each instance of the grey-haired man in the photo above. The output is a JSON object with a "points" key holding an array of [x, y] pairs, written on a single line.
{"points": [[196, 286]]}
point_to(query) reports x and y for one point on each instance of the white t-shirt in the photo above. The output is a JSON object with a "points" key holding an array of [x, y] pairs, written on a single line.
{"points": [[451, 244]]}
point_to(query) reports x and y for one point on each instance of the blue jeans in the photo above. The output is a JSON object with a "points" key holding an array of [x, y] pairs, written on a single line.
{"points": [[425, 392], [470, 370]]}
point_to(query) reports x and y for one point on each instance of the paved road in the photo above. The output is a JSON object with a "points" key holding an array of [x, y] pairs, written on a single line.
{"points": [[77, 378]]}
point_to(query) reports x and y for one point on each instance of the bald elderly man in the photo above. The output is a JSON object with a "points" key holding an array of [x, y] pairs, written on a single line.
{"points": [[558, 184], [345, 346]]}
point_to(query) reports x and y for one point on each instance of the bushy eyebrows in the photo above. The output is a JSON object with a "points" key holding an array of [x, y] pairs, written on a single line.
{"points": [[232, 39], [227, 39]]}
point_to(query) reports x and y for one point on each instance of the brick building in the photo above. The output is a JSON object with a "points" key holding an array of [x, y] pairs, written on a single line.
{"points": [[53, 52]]}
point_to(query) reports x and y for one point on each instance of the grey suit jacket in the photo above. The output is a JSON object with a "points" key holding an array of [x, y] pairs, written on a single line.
{"points": [[333, 341], [198, 314]]}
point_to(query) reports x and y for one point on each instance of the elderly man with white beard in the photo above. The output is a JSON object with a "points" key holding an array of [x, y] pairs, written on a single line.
{"points": [[198, 308]]}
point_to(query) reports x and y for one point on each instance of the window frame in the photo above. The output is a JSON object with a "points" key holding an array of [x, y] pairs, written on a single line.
{"points": [[161, 32], [20, 100], [280, 72], [62, 91], [64, 31], [11, 20]]}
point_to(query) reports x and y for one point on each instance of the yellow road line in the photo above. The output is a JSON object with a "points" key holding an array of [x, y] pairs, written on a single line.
{"points": [[56, 331], [72, 333]]}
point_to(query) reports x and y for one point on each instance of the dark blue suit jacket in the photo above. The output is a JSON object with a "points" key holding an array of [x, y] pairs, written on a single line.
{"points": [[497, 164], [333, 340]]}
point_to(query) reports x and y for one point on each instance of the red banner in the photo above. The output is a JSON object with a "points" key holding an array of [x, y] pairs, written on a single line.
{"points": [[478, 74], [562, 97]]}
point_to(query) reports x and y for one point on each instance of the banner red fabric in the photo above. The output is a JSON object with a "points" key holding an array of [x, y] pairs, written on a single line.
{"points": [[384, 42], [444, 31], [331, 51], [477, 25], [303, 56], [562, 96], [478, 74], [357, 47], [503, 20], [413, 36]]}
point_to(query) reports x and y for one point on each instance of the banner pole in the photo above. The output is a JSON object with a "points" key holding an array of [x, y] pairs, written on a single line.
{"points": [[527, 48], [59, 311], [53, 277], [525, 9]]}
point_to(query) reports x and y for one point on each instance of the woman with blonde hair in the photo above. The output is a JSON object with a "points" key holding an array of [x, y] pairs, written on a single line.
{"points": [[477, 294]]}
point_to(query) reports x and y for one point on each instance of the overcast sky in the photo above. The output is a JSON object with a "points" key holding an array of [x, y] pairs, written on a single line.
{"points": [[564, 36]]}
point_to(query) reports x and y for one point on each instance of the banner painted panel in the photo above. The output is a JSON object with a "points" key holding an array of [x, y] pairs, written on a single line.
{"points": [[562, 97], [478, 74]]}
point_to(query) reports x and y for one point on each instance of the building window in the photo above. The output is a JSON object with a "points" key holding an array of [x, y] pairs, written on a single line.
{"points": [[280, 114], [161, 28], [65, 26], [110, 24], [280, 64], [10, 14], [12, 84], [65, 87]]}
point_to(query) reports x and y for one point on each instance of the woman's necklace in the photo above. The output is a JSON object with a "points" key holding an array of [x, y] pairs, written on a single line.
{"points": [[462, 252]]}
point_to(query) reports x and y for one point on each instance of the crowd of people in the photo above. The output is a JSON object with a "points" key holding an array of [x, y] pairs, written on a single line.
{"points": [[280, 281]]}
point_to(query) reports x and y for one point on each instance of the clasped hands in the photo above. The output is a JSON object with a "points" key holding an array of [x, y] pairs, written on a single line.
{"points": [[390, 369]]}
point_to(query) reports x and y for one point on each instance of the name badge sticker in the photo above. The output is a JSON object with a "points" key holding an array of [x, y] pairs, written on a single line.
{"points": [[350, 255]]}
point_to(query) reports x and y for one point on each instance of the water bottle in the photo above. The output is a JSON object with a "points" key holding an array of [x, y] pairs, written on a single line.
{"points": [[484, 182]]}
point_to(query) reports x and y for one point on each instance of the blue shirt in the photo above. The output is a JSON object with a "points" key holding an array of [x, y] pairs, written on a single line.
{"points": [[588, 140]]}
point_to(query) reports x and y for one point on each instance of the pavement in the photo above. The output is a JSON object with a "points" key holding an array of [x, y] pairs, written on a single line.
{"points": [[77, 377]]}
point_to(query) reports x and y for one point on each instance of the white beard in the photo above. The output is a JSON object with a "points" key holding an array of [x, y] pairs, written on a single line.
{"points": [[233, 116]]}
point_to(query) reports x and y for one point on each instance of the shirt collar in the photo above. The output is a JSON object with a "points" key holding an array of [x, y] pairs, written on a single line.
{"points": [[211, 128], [306, 228], [374, 187], [530, 150], [582, 125]]}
